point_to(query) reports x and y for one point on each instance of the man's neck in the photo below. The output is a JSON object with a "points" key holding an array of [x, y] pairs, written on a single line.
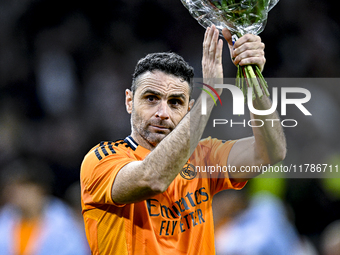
{"points": [[142, 142]]}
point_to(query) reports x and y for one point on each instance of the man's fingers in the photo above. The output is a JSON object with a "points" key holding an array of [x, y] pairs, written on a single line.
{"points": [[205, 45], [248, 46], [227, 35], [213, 42], [260, 61], [207, 39], [218, 53], [212, 54], [209, 44], [247, 38], [248, 54], [249, 50], [254, 60]]}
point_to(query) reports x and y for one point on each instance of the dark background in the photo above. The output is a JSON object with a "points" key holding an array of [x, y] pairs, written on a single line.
{"points": [[64, 67]]}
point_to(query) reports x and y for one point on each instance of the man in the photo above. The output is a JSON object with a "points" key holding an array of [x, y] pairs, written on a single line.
{"points": [[134, 199]]}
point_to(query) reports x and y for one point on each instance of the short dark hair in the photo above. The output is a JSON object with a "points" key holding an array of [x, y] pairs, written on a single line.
{"points": [[167, 62]]}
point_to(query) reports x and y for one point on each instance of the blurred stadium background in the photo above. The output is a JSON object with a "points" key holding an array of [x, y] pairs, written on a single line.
{"points": [[64, 66]]}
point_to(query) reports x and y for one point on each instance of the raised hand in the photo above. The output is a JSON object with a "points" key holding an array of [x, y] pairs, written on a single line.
{"points": [[249, 49], [212, 54]]}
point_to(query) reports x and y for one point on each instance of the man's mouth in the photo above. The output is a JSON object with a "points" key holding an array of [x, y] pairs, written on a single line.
{"points": [[160, 128]]}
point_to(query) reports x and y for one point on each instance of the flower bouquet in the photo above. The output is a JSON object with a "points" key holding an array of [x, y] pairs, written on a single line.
{"points": [[240, 17]]}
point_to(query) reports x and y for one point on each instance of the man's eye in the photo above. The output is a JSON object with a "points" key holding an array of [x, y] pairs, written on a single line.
{"points": [[151, 98], [175, 102]]}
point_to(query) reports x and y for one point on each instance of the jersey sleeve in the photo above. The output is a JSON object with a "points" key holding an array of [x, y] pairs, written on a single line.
{"points": [[212, 156], [98, 174]]}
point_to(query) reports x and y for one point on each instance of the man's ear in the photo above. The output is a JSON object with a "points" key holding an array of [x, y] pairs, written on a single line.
{"points": [[128, 100], [191, 104]]}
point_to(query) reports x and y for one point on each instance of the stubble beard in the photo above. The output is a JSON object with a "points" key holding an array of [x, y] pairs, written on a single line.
{"points": [[141, 127]]}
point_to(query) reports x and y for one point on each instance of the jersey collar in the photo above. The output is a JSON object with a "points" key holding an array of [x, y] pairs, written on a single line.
{"points": [[139, 150], [131, 142]]}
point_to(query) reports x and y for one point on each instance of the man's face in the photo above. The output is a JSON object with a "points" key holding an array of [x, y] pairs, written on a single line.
{"points": [[158, 105]]}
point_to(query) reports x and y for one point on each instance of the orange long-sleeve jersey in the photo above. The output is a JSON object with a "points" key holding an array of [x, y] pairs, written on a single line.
{"points": [[178, 221]]}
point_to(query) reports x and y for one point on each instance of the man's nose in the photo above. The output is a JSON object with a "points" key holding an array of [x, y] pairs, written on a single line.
{"points": [[163, 110]]}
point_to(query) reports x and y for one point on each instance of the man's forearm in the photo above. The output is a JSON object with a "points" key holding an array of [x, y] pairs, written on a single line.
{"points": [[267, 146], [270, 140], [175, 150], [140, 180]]}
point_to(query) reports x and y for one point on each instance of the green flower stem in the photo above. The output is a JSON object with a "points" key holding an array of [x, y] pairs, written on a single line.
{"points": [[254, 81], [251, 76], [249, 80], [262, 80]]}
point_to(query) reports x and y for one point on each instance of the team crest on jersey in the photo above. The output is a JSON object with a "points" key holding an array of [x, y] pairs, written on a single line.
{"points": [[188, 172]]}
